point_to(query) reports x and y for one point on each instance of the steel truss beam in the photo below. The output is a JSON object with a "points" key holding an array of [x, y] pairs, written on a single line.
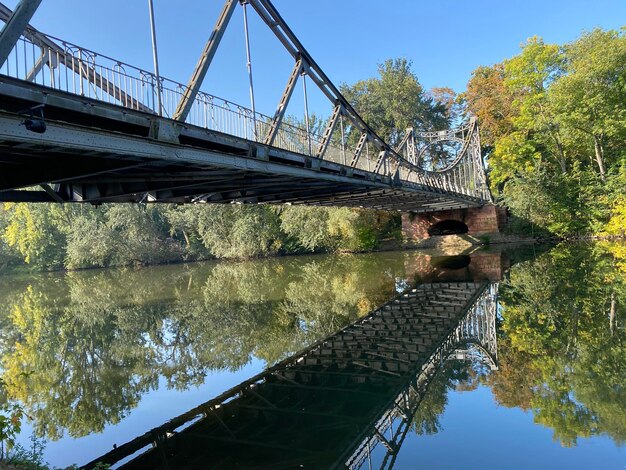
{"points": [[15, 25], [52, 55], [284, 101], [328, 132], [190, 93], [268, 13], [391, 164]]}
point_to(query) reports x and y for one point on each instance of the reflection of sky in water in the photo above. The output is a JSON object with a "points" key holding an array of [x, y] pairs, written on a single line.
{"points": [[401, 285], [479, 434], [155, 408]]}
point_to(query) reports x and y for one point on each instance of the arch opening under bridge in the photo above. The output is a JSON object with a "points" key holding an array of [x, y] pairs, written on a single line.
{"points": [[448, 227]]}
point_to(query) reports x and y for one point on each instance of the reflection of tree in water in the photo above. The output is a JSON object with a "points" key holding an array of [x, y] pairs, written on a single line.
{"points": [[68, 373], [561, 347], [563, 351], [269, 319], [79, 351]]}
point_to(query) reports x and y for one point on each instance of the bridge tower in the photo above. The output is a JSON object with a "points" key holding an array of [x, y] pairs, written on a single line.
{"points": [[454, 156]]}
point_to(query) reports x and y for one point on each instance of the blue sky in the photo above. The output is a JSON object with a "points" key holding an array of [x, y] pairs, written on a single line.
{"points": [[444, 39]]}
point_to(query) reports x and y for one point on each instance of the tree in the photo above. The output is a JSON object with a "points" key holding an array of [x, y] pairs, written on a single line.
{"points": [[527, 77], [488, 99], [395, 101], [451, 102], [237, 231], [553, 122], [308, 226], [36, 232], [120, 235], [589, 98]]}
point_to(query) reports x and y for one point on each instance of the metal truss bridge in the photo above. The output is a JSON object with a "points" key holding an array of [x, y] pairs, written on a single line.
{"points": [[78, 126], [333, 404]]}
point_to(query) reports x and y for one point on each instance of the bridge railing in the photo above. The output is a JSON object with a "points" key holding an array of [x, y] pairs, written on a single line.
{"points": [[58, 64], [69, 68], [63, 66]]}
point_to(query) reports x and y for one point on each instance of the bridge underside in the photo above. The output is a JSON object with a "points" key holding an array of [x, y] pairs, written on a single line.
{"points": [[99, 153]]}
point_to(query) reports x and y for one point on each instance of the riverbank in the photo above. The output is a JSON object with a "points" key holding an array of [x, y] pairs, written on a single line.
{"points": [[448, 245]]}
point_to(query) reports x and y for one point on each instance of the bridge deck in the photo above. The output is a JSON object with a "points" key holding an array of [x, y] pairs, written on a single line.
{"points": [[86, 127], [96, 152], [316, 408]]}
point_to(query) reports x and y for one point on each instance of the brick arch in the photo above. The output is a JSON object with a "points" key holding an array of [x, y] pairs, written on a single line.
{"points": [[479, 221]]}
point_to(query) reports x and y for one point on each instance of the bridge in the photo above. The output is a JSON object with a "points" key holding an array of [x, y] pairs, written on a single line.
{"points": [[333, 404], [78, 126]]}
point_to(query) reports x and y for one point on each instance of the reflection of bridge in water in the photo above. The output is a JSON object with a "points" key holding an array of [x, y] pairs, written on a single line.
{"points": [[332, 404]]}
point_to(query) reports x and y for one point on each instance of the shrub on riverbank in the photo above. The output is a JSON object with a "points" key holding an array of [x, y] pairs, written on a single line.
{"points": [[50, 237]]}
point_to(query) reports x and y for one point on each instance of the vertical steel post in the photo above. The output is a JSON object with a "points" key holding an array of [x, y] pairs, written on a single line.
{"points": [[306, 112], [249, 63], [343, 140], [155, 58]]}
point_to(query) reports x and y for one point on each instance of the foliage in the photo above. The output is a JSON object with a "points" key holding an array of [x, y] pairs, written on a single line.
{"points": [[562, 351], [354, 230], [27, 459], [35, 231], [394, 101], [553, 122], [11, 414], [52, 236], [236, 231], [616, 201], [308, 226], [489, 100]]}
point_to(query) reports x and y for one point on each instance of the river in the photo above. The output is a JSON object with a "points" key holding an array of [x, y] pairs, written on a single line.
{"points": [[97, 358]]}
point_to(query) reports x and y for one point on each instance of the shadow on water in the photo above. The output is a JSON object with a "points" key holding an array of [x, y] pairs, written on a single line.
{"points": [[451, 262]]}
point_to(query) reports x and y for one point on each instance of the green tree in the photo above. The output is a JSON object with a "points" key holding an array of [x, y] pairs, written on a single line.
{"points": [[237, 231], [394, 101], [308, 226], [553, 123], [37, 232], [589, 98]]}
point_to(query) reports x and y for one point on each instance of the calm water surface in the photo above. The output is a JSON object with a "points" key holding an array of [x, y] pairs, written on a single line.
{"points": [[98, 358]]}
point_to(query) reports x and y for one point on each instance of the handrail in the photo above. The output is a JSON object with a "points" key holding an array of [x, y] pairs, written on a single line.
{"points": [[53, 62]]}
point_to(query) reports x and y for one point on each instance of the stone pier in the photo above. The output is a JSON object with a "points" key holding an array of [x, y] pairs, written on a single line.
{"points": [[475, 221]]}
